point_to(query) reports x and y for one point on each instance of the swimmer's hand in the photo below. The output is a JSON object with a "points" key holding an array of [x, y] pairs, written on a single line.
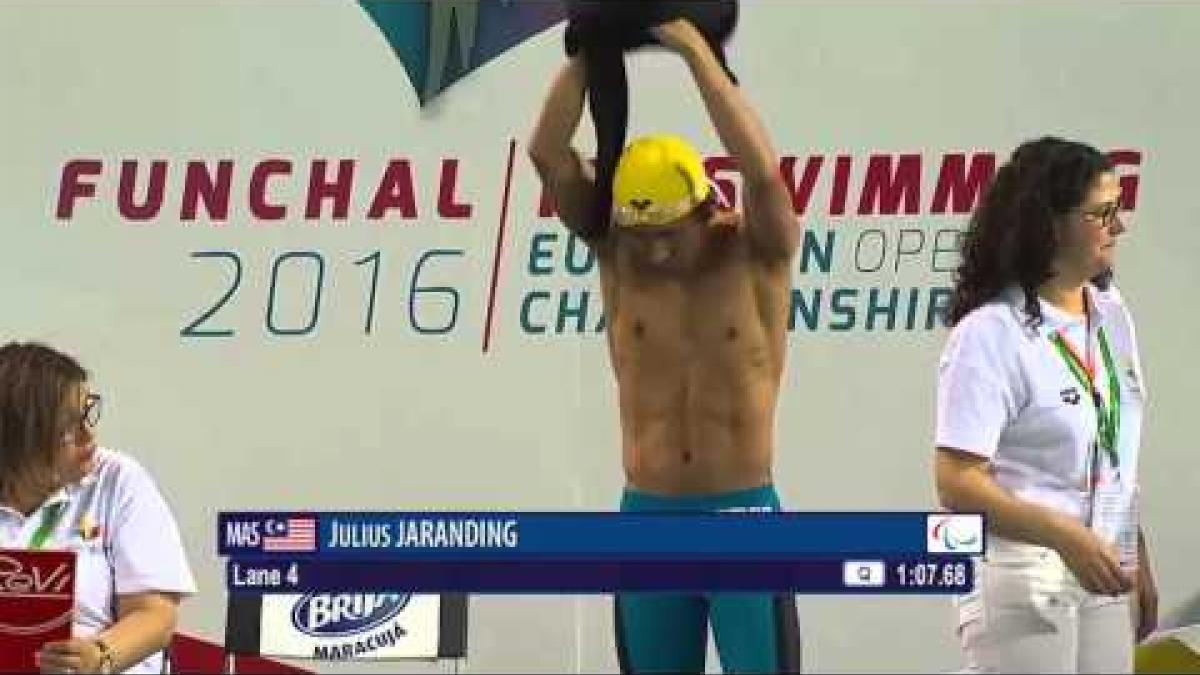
{"points": [[678, 35]]}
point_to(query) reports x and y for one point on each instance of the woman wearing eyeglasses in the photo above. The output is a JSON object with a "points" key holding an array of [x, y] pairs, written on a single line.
{"points": [[1039, 416], [60, 490]]}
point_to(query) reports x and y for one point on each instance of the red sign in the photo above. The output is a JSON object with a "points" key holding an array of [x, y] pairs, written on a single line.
{"points": [[37, 602]]}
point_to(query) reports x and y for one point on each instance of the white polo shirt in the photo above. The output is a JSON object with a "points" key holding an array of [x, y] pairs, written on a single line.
{"points": [[126, 539], [1005, 393]]}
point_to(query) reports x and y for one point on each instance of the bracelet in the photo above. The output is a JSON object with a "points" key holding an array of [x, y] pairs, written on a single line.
{"points": [[107, 662]]}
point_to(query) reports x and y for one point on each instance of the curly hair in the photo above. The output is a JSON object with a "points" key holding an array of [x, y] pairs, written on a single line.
{"points": [[1011, 238]]}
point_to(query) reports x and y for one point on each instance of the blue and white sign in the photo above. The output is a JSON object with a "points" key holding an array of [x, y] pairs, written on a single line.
{"points": [[343, 626]]}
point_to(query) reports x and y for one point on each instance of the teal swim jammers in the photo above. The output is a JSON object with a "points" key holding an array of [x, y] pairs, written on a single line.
{"points": [[665, 632]]}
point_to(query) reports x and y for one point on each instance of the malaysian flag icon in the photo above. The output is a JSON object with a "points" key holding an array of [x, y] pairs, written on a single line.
{"points": [[293, 535]]}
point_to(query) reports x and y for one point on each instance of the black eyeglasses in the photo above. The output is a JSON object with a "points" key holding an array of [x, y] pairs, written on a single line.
{"points": [[1104, 216], [92, 406]]}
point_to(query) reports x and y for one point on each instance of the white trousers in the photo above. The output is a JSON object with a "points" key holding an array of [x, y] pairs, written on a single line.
{"points": [[1028, 614]]}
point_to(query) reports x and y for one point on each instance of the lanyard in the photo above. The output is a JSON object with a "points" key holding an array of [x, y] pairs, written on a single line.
{"points": [[50, 518], [1108, 418]]}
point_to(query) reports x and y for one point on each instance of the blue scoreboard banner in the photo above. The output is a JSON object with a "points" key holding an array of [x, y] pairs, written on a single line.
{"points": [[582, 552], [532, 535]]}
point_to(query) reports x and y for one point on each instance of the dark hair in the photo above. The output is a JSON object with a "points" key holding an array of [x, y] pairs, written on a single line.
{"points": [[1011, 238], [35, 380], [708, 207]]}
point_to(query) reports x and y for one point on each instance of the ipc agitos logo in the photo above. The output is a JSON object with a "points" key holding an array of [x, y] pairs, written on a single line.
{"points": [[342, 614], [959, 533]]}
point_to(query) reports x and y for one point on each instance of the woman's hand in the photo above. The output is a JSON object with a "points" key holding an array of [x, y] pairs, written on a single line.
{"points": [[1095, 563], [70, 656]]}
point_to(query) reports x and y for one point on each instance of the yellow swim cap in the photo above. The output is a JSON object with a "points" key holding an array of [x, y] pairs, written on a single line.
{"points": [[659, 179]]}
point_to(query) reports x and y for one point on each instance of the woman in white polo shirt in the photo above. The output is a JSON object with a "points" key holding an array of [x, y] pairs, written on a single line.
{"points": [[1039, 415], [59, 490]]}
